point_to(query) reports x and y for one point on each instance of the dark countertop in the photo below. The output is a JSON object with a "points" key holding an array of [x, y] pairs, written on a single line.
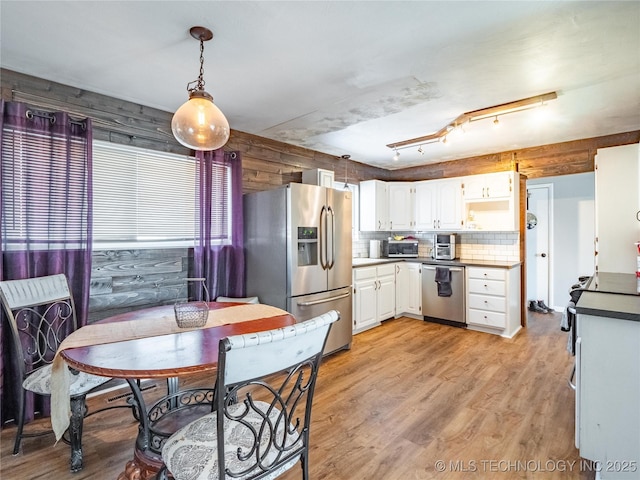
{"points": [[618, 283], [365, 262], [613, 295], [611, 305]]}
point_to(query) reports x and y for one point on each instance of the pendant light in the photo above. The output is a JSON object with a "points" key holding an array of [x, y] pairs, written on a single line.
{"points": [[346, 162], [198, 124]]}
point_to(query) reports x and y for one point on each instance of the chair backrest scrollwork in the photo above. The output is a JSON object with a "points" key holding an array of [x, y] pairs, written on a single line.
{"points": [[265, 384], [41, 313]]}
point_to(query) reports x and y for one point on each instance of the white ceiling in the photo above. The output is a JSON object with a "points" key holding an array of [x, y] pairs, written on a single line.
{"points": [[350, 77]]}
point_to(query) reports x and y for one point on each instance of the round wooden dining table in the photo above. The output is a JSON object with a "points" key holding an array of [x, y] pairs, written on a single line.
{"points": [[168, 357]]}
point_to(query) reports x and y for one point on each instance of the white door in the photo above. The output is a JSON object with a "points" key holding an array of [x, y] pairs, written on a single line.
{"points": [[426, 205], [414, 288], [402, 287], [365, 297], [400, 206], [538, 234], [386, 296], [617, 208], [450, 204]]}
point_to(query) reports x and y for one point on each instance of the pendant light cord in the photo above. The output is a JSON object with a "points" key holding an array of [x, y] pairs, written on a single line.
{"points": [[199, 82], [201, 75]]}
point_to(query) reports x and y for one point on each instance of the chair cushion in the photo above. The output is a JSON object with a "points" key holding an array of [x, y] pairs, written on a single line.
{"points": [[191, 453], [39, 382]]}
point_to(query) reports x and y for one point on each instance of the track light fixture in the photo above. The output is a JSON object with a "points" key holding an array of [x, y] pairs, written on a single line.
{"points": [[489, 112], [198, 124]]}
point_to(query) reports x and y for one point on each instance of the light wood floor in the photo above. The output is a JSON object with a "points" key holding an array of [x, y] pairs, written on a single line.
{"points": [[407, 395]]}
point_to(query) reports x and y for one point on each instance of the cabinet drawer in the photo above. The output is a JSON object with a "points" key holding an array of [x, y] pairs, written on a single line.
{"points": [[364, 273], [487, 302], [388, 269], [488, 287], [487, 273], [487, 319]]}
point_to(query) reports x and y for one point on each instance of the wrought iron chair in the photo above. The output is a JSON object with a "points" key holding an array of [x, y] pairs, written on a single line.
{"points": [[40, 313], [260, 426]]}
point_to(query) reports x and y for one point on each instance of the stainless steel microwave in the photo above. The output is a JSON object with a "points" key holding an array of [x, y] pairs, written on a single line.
{"points": [[400, 248]]}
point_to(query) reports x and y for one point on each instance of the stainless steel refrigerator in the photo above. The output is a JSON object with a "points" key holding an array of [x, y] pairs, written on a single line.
{"points": [[298, 253]]}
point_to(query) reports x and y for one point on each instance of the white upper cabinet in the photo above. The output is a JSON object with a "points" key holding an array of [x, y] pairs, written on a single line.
{"points": [[488, 186], [426, 205], [374, 206], [478, 202], [318, 176], [492, 202], [401, 206], [617, 199], [450, 204], [438, 204]]}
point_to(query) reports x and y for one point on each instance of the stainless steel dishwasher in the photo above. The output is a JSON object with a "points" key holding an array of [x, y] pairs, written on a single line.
{"points": [[450, 309]]}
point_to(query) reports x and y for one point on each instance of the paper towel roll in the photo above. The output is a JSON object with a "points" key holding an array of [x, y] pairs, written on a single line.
{"points": [[375, 248]]}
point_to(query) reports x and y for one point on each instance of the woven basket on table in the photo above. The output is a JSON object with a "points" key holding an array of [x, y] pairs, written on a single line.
{"points": [[191, 314]]}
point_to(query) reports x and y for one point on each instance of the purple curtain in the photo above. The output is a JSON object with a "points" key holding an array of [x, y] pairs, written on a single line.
{"points": [[45, 206], [219, 253]]}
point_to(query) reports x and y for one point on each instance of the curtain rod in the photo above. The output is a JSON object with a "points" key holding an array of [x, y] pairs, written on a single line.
{"points": [[109, 123], [52, 118]]}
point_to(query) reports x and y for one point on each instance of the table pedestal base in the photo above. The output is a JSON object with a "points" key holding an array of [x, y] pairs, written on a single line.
{"points": [[142, 467]]}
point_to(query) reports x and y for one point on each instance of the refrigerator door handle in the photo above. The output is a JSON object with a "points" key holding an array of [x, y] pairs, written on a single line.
{"points": [[324, 300], [322, 239], [333, 239]]}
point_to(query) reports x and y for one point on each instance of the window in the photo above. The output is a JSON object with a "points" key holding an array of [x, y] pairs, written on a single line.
{"points": [[149, 198]]}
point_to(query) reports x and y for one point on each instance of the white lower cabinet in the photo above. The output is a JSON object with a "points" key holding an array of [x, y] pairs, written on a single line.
{"points": [[408, 288], [493, 300], [608, 392], [374, 295]]}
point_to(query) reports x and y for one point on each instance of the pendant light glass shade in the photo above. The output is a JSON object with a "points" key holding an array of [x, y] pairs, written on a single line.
{"points": [[200, 125]]}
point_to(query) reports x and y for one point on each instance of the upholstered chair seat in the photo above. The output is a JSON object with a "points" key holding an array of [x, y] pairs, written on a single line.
{"points": [[192, 452], [81, 382]]}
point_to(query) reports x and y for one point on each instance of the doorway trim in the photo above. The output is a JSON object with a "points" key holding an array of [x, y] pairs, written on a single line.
{"points": [[550, 235]]}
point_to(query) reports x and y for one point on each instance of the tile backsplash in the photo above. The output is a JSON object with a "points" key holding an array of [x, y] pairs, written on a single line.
{"points": [[498, 246]]}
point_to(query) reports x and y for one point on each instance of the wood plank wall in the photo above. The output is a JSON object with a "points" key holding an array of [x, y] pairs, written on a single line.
{"points": [[125, 279], [268, 163]]}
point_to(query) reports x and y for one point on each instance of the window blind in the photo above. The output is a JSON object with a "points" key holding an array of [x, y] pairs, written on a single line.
{"points": [[44, 190], [148, 196]]}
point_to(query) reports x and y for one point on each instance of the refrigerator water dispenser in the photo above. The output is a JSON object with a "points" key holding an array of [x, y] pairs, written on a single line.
{"points": [[307, 246]]}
